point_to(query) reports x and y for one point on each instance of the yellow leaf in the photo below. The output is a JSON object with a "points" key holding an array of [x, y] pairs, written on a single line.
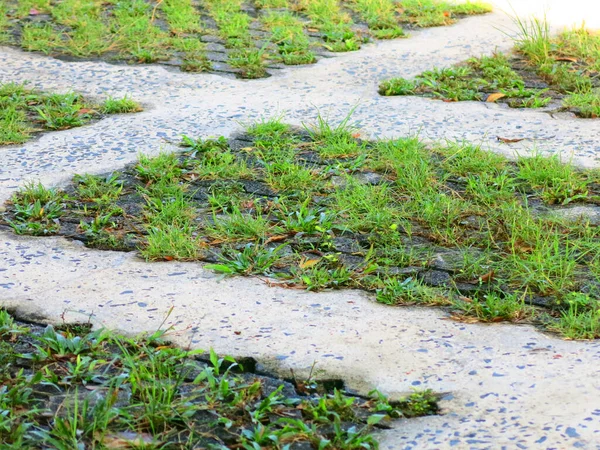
{"points": [[307, 263], [495, 96]]}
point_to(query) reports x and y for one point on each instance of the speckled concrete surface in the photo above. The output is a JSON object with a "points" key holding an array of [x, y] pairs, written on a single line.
{"points": [[510, 386]]}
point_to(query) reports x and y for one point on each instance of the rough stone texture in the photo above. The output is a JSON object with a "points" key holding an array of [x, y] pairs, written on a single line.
{"points": [[510, 386], [582, 213]]}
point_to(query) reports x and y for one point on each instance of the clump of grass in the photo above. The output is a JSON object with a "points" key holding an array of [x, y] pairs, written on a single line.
{"points": [[380, 16], [434, 13], [565, 62], [580, 319], [24, 112], [493, 307], [287, 32], [120, 105], [334, 24]]}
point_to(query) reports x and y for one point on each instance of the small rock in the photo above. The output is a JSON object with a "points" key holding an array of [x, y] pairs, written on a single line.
{"points": [[410, 271], [453, 260], [62, 405], [346, 245], [370, 178], [435, 278], [576, 213]]}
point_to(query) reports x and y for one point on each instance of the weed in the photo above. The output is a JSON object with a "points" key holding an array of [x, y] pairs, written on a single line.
{"points": [[120, 105], [251, 260], [24, 112], [581, 319], [493, 307], [408, 292]]}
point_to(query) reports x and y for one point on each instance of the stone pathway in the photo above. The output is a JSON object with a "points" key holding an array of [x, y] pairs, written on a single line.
{"points": [[509, 386]]}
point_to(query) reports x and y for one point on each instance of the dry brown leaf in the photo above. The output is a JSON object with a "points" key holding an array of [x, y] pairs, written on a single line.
{"points": [[85, 111], [523, 248], [487, 277], [508, 140], [276, 238], [567, 58], [495, 96]]}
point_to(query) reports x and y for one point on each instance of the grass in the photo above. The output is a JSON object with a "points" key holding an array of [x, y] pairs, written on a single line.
{"points": [[433, 13], [320, 208], [255, 34], [71, 386], [543, 70], [24, 111]]}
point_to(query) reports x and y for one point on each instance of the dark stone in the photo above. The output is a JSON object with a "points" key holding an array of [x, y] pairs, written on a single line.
{"points": [[63, 404], [258, 188], [270, 385], [435, 278], [351, 261], [346, 245], [451, 261], [370, 178], [469, 289], [301, 446], [410, 271], [194, 368], [544, 302]]}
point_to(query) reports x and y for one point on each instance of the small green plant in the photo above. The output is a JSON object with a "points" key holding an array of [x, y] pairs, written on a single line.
{"points": [[251, 260], [409, 291], [580, 319], [120, 105], [493, 307]]}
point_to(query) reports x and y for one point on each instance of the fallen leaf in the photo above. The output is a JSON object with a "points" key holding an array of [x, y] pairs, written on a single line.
{"points": [[237, 333], [556, 356], [523, 248], [355, 135], [508, 140], [306, 264], [276, 238], [487, 277], [85, 111], [33, 12], [567, 58], [446, 14], [168, 258], [495, 96]]}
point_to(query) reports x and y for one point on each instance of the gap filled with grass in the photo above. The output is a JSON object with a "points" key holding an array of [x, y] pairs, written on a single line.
{"points": [[319, 208], [24, 112], [72, 387], [559, 73], [231, 36]]}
